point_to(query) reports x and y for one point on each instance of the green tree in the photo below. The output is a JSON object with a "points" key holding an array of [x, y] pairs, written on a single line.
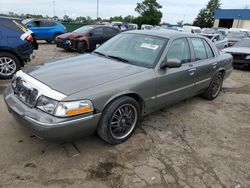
{"points": [[205, 18], [117, 19], [149, 12]]}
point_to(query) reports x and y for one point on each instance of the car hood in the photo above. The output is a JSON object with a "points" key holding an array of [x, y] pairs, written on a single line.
{"points": [[233, 39], [75, 74], [69, 35], [243, 50]]}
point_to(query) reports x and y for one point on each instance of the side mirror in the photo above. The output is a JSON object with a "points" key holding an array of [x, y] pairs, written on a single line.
{"points": [[28, 25], [170, 63], [91, 34], [214, 40]]}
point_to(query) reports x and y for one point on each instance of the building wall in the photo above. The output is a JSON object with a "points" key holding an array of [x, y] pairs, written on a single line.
{"points": [[245, 24], [216, 22]]}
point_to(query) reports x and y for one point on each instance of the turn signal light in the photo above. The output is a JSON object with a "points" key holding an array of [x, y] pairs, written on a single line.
{"points": [[79, 111]]}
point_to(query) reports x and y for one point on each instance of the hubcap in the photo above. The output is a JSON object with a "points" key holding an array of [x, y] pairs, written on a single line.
{"points": [[123, 121], [216, 86], [7, 66]]}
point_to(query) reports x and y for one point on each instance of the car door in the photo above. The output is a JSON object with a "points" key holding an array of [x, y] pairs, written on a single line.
{"points": [[95, 37], [46, 29], [175, 84], [109, 33], [203, 62]]}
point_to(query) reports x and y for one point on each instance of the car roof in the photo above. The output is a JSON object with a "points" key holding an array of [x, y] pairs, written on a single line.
{"points": [[9, 18], [210, 34], [100, 25], [165, 33]]}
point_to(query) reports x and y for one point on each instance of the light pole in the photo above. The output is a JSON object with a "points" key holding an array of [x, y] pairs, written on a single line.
{"points": [[97, 9]]}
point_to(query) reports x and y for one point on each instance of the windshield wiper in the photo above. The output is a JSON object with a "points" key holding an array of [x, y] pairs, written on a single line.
{"points": [[99, 53], [118, 58]]}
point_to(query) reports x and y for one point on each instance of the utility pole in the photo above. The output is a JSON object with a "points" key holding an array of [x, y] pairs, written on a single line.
{"points": [[54, 8], [97, 9]]}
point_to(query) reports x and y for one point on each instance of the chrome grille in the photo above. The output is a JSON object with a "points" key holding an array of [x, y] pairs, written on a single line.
{"points": [[239, 56], [25, 94]]}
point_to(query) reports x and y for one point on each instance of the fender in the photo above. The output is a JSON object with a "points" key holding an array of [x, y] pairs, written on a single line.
{"points": [[133, 94]]}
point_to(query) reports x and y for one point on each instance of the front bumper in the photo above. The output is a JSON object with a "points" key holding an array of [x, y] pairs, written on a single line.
{"points": [[47, 126]]}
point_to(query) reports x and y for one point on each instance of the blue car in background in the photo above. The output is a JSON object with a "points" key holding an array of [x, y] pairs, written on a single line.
{"points": [[16, 45], [45, 29]]}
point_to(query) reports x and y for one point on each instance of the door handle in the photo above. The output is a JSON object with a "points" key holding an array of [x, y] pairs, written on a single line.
{"points": [[214, 65], [192, 71]]}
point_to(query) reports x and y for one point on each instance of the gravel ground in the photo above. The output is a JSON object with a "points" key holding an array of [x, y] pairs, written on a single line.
{"points": [[193, 144]]}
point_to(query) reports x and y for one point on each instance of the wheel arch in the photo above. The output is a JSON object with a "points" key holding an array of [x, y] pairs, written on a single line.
{"points": [[15, 54], [133, 95]]}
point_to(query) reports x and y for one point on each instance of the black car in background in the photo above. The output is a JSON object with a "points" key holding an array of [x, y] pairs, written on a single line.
{"points": [[16, 45], [86, 38], [241, 53]]}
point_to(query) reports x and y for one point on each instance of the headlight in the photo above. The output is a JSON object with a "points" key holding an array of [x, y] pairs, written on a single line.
{"points": [[248, 57], [46, 104], [66, 109]]}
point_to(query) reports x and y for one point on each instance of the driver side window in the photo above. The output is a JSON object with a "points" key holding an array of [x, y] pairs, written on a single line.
{"points": [[98, 32], [179, 49]]}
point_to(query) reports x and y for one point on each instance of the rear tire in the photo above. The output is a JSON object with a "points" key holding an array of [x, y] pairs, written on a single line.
{"points": [[214, 88], [119, 120], [9, 65]]}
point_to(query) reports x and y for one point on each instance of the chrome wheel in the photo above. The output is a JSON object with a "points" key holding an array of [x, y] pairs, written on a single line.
{"points": [[123, 121], [216, 86], [7, 66]]}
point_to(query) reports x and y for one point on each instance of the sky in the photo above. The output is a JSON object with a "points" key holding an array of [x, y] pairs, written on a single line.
{"points": [[173, 10]]}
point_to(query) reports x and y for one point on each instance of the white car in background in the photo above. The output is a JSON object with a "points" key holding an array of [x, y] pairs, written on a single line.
{"points": [[191, 29], [146, 27]]}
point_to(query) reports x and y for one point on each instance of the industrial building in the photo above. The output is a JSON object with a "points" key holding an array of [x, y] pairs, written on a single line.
{"points": [[236, 18]]}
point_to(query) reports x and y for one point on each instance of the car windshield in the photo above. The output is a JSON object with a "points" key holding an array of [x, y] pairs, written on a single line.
{"points": [[137, 49], [236, 35], [243, 43], [83, 30], [197, 30]]}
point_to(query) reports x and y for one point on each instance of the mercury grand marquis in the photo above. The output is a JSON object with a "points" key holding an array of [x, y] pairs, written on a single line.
{"points": [[109, 90]]}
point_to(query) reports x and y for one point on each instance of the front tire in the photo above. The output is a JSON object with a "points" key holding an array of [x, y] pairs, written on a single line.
{"points": [[214, 88], [119, 120], [9, 65], [81, 47]]}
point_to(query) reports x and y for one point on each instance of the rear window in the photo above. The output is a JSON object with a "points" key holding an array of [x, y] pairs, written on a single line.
{"points": [[14, 25], [210, 53], [199, 49]]}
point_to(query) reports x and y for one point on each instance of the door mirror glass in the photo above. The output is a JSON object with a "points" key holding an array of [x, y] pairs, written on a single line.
{"points": [[91, 34], [171, 63]]}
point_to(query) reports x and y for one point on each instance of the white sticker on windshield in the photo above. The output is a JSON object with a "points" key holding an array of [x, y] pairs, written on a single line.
{"points": [[149, 46]]}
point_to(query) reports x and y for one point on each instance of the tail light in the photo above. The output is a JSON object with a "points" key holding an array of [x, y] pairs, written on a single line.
{"points": [[30, 38]]}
